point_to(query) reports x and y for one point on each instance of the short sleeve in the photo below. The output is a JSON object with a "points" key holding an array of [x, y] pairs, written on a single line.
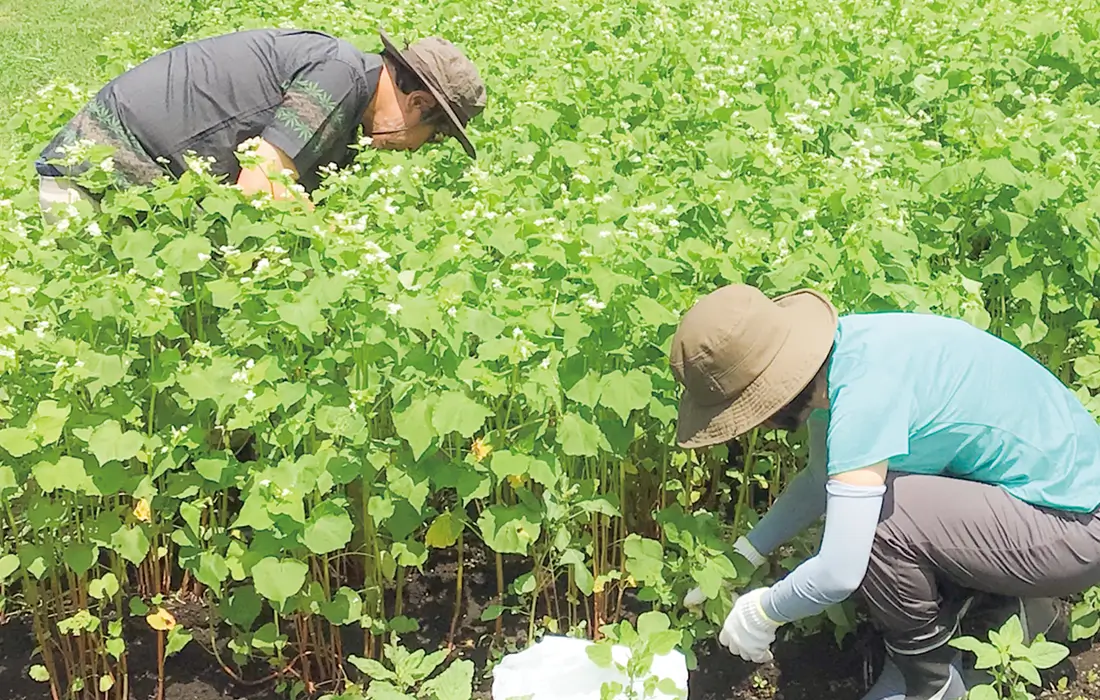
{"points": [[321, 106], [869, 422]]}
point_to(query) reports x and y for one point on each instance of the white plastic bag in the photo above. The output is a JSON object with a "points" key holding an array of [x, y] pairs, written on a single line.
{"points": [[558, 668]]}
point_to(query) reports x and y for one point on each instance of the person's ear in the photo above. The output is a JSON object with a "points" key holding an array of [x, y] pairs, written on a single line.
{"points": [[422, 100]]}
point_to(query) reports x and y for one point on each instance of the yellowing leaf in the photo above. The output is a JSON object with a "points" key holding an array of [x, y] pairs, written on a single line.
{"points": [[142, 511], [480, 450], [161, 620]]}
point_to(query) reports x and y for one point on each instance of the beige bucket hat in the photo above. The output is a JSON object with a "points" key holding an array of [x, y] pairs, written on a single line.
{"points": [[452, 79], [741, 357]]}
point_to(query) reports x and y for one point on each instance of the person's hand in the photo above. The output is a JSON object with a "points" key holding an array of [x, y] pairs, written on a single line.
{"points": [[742, 546], [748, 632]]}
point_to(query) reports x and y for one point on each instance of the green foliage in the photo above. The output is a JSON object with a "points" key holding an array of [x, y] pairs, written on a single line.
{"points": [[653, 637], [406, 677], [1012, 664], [295, 408]]}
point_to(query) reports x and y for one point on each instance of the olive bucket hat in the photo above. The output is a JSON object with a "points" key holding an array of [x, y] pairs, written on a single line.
{"points": [[452, 79], [741, 357]]}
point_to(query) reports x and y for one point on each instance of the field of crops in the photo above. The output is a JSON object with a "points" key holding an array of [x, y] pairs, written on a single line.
{"points": [[439, 407]]}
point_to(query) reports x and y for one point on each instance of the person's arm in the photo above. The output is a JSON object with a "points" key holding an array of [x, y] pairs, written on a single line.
{"points": [[854, 506], [801, 503], [257, 179]]}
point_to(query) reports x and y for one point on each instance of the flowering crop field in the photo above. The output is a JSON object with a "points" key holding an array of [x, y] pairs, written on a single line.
{"points": [[285, 417]]}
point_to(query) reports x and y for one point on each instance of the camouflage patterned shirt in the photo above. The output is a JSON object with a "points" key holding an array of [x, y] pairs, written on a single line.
{"points": [[302, 91]]}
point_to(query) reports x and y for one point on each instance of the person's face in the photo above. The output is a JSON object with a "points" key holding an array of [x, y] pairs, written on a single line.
{"points": [[404, 128]]}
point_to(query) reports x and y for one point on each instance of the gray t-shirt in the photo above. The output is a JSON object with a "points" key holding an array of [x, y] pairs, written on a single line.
{"points": [[302, 91]]}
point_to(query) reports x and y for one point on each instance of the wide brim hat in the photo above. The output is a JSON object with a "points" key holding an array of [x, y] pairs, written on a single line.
{"points": [[741, 357], [450, 77]]}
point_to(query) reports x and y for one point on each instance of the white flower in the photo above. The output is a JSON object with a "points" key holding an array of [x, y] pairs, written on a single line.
{"points": [[262, 265], [392, 308], [107, 165], [592, 302], [94, 230], [250, 395], [250, 363], [528, 266], [517, 332], [61, 364], [239, 376], [203, 257], [265, 482], [350, 273], [250, 146], [545, 364], [229, 251], [63, 225], [7, 352], [497, 284], [452, 312]]}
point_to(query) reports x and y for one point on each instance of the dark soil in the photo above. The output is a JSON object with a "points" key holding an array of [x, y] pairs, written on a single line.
{"points": [[809, 668]]}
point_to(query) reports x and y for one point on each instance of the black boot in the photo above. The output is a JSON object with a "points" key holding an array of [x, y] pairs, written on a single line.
{"points": [[932, 674], [1046, 616]]}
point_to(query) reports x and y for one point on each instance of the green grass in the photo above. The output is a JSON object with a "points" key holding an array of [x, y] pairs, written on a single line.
{"points": [[57, 40]]}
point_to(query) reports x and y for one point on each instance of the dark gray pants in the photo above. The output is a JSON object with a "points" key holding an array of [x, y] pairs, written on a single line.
{"points": [[937, 532]]}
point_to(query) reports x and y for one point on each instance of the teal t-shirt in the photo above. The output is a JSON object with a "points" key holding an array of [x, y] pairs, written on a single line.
{"points": [[935, 395]]}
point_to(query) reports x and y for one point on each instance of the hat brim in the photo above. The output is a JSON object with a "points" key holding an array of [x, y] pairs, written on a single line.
{"points": [[459, 131], [812, 324]]}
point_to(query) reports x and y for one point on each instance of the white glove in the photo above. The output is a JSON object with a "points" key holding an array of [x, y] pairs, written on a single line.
{"points": [[748, 632], [742, 546]]}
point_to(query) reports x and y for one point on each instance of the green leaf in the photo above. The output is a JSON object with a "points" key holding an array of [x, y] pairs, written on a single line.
{"points": [[244, 606], [587, 390], [457, 413], [644, 558], [444, 531], [599, 654], [109, 444], [1030, 289], [341, 421], [455, 683], [372, 669], [506, 463], [1046, 654], [48, 421], [9, 564], [67, 474], [18, 441], [212, 570], [178, 637], [491, 612], [277, 580], [508, 530], [578, 437], [39, 673], [211, 469], [1026, 670], [103, 587], [623, 393], [329, 529], [131, 543], [414, 425], [345, 608], [186, 253], [983, 692], [81, 557]]}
